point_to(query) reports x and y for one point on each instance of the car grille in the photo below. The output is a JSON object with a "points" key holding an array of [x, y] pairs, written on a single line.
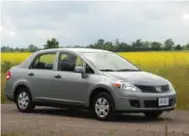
{"points": [[152, 89], [154, 103]]}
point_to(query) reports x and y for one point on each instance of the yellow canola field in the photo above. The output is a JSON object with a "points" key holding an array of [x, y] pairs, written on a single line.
{"points": [[171, 65]]}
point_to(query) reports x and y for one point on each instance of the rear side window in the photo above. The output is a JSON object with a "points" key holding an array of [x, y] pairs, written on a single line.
{"points": [[44, 61]]}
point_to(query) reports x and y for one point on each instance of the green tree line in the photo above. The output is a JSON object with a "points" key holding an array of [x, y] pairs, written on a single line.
{"points": [[117, 46]]}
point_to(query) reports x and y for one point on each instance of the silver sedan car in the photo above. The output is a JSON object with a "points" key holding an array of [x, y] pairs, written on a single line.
{"points": [[98, 80]]}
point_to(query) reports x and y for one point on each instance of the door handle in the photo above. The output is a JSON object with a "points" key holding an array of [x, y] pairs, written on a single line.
{"points": [[31, 74], [57, 76]]}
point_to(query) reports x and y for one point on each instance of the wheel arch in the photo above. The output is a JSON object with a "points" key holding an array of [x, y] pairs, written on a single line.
{"points": [[98, 89], [19, 85]]}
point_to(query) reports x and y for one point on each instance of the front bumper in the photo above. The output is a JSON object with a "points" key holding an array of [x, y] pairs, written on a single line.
{"points": [[141, 102]]}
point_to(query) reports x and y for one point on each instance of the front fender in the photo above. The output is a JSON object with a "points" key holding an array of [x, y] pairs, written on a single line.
{"points": [[106, 87]]}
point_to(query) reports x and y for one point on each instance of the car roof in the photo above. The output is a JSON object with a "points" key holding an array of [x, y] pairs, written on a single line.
{"points": [[75, 50]]}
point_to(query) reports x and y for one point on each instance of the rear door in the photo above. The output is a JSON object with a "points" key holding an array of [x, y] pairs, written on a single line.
{"points": [[40, 75]]}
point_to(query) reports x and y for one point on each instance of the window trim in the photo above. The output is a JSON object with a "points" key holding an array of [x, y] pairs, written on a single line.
{"points": [[40, 54]]}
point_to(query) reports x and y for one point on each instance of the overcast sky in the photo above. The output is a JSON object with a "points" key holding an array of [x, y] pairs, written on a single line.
{"points": [[82, 23]]}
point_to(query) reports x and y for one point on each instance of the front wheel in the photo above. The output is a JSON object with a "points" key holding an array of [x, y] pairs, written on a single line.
{"points": [[153, 114], [24, 100], [103, 106]]}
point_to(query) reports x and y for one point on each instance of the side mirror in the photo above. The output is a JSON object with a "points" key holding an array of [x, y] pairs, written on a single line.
{"points": [[80, 69]]}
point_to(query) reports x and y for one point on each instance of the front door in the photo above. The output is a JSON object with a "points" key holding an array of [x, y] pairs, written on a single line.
{"points": [[70, 86]]}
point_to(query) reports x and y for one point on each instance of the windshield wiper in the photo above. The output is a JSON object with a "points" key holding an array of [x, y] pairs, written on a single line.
{"points": [[128, 70], [107, 70]]}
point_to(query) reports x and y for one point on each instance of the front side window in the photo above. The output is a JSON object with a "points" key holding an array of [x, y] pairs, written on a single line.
{"points": [[44, 61], [68, 62], [109, 62]]}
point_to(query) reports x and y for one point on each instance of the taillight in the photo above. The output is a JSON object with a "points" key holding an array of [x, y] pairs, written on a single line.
{"points": [[8, 76]]}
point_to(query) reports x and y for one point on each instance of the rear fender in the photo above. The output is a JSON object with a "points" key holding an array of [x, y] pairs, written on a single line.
{"points": [[21, 82]]}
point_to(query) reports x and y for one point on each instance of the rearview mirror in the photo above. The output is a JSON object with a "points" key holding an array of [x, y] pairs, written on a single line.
{"points": [[80, 69]]}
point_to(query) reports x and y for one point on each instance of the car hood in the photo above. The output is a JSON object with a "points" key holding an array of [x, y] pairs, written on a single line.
{"points": [[138, 78]]}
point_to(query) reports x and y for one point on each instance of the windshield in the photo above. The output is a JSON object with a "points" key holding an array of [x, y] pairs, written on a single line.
{"points": [[109, 62]]}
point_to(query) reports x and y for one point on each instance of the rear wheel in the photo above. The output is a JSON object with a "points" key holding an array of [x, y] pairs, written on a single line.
{"points": [[24, 100], [103, 106], [153, 114]]}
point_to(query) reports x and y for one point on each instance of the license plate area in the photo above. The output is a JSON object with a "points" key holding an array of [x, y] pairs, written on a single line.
{"points": [[163, 101]]}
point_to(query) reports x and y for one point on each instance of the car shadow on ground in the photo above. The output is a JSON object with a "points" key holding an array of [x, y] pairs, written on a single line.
{"points": [[85, 114]]}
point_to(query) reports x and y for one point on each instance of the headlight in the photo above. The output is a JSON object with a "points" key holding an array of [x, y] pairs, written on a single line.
{"points": [[125, 86], [129, 87]]}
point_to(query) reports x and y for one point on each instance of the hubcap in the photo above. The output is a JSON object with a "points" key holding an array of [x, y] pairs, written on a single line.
{"points": [[23, 100], [102, 107]]}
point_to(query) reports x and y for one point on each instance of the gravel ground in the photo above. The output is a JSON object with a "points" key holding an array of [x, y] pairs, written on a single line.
{"points": [[61, 122]]}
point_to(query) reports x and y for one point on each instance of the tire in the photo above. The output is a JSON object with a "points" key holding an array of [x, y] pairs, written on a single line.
{"points": [[153, 114], [24, 100], [103, 106]]}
